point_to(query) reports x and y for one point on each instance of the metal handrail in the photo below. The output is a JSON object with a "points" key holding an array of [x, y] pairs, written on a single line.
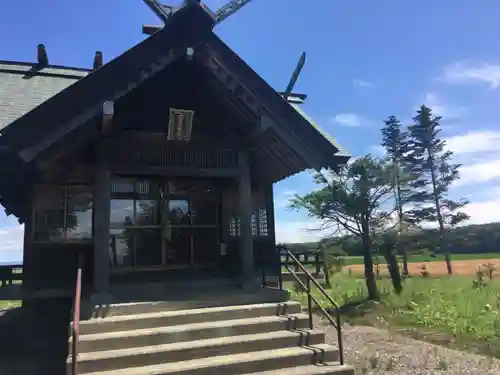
{"points": [[75, 327], [310, 299]]}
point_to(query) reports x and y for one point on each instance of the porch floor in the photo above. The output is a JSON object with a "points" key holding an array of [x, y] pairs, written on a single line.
{"points": [[179, 295]]}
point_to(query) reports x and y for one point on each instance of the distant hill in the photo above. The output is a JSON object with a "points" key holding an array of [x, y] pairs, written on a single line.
{"points": [[477, 238]]}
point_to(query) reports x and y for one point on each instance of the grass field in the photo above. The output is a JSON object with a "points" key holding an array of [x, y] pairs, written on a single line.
{"points": [[451, 311], [8, 304]]}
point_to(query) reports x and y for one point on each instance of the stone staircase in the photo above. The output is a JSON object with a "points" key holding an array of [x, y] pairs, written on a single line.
{"points": [[264, 339]]}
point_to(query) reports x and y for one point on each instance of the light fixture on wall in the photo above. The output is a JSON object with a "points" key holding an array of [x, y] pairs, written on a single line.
{"points": [[180, 123]]}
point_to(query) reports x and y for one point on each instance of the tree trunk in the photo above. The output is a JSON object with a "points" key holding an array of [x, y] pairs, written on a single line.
{"points": [[404, 259], [392, 264], [371, 284], [442, 238], [399, 206]]}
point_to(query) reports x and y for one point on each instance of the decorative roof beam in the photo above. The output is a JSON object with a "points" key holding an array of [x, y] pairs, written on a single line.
{"points": [[42, 57], [97, 60], [164, 12]]}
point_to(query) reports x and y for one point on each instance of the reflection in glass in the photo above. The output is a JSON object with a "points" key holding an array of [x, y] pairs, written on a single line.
{"points": [[121, 251], [146, 212], [178, 248], [205, 249], [148, 247], [203, 211], [122, 213], [79, 213], [49, 213], [178, 212]]}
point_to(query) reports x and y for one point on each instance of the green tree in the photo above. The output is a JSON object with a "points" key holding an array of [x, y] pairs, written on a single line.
{"points": [[353, 201], [395, 143], [433, 173]]}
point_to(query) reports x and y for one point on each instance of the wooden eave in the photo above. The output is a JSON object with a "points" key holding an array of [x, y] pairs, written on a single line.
{"points": [[289, 137], [83, 100], [319, 151]]}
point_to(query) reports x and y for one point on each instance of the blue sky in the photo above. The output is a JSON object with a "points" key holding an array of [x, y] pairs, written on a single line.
{"points": [[366, 60]]}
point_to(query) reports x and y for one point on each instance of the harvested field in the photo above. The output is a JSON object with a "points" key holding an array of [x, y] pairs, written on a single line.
{"points": [[460, 267]]}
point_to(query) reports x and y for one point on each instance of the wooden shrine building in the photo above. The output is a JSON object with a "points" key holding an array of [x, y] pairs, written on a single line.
{"points": [[159, 163]]}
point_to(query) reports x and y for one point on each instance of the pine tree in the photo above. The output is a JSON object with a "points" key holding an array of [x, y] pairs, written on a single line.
{"points": [[432, 174], [395, 142]]}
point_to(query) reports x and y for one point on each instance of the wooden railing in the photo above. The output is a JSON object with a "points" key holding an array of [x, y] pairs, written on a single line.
{"points": [[315, 258], [75, 327], [292, 260]]}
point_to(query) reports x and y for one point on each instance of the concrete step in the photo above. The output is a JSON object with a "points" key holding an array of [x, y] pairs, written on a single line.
{"points": [[189, 332], [191, 316], [181, 299], [239, 363], [332, 368], [184, 351]]}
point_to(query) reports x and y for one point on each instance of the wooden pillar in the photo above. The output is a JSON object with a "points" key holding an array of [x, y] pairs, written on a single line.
{"points": [[102, 201], [245, 213], [29, 260], [271, 226]]}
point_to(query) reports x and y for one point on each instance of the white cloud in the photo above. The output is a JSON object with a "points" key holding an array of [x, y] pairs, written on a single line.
{"points": [[464, 73], [361, 83], [473, 142], [300, 231], [439, 108], [348, 119], [282, 200], [478, 173], [11, 238], [377, 150]]}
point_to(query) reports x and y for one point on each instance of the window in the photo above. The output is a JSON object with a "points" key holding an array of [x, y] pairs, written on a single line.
{"points": [[63, 213], [234, 227], [258, 221], [263, 231], [255, 232]]}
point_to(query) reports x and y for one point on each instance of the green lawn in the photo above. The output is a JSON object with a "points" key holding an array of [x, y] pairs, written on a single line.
{"points": [[7, 304], [449, 310], [427, 258]]}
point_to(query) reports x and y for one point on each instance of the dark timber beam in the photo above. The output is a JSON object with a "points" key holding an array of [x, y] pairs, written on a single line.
{"points": [[245, 213], [108, 110], [174, 171]]}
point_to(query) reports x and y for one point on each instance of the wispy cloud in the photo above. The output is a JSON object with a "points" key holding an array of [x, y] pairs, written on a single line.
{"points": [[282, 200], [11, 238], [472, 73], [362, 84], [349, 119], [441, 108]]}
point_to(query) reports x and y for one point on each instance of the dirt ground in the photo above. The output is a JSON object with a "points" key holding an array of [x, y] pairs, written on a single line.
{"points": [[460, 267]]}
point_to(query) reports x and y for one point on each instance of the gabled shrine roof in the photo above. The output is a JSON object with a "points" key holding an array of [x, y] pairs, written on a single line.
{"points": [[40, 108], [24, 86]]}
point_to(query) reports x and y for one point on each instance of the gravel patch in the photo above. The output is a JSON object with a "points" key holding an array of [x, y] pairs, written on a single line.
{"points": [[378, 351]]}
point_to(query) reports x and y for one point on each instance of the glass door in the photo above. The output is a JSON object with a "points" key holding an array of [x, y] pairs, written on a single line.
{"points": [[178, 246], [193, 239], [135, 228]]}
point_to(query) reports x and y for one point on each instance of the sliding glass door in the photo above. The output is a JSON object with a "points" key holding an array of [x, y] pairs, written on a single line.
{"points": [[158, 224]]}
